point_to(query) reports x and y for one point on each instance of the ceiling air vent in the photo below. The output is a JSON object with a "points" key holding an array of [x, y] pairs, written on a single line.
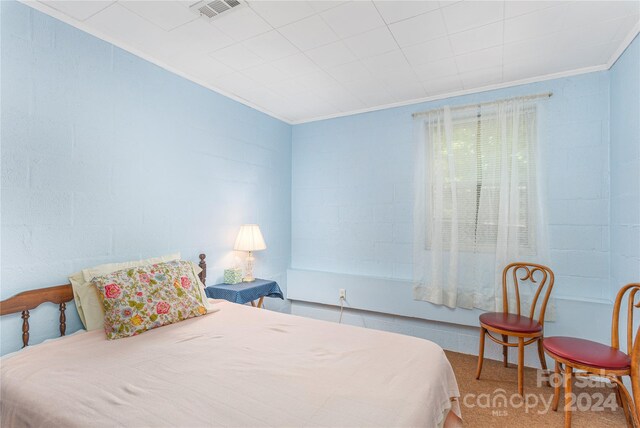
{"points": [[213, 9]]}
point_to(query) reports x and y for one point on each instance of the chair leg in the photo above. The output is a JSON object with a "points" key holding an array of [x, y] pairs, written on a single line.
{"points": [[568, 378], [483, 332], [556, 387], [622, 402], [521, 365], [543, 360], [505, 350], [633, 409]]}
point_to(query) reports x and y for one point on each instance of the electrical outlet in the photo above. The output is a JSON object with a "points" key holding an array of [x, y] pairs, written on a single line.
{"points": [[342, 294]]}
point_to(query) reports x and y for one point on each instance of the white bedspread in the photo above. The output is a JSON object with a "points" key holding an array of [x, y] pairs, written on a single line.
{"points": [[240, 366]]}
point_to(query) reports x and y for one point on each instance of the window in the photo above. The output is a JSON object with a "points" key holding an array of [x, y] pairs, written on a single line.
{"points": [[479, 164]]}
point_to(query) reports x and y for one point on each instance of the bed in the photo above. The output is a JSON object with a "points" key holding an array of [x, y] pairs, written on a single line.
{"points": [[237, 366]]}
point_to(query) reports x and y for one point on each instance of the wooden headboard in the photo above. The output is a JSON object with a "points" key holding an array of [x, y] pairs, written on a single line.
{"points": [[60, 295]]}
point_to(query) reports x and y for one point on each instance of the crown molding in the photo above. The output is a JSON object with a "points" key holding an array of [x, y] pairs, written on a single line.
{"points": [[626, 42], [512, 83]]}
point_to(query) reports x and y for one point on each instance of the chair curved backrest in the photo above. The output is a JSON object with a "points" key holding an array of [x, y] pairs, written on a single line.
{"points": [[633, 341], [526, 273], [635, 372], [632, 289]]}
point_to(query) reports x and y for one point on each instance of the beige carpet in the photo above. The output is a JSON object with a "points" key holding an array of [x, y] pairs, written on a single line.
{"points": [[476, 397]]}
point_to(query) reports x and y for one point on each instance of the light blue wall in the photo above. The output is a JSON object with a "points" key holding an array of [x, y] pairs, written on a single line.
{"points": [[352, 187], [352, 210], [625, 167], [106, 157]]}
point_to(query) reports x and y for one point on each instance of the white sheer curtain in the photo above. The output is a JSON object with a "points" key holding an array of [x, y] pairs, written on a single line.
{"points": [[477, 203]]}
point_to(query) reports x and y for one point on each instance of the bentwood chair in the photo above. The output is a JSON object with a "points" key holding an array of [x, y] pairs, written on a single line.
{"points": [[596, 359], [525, 330]]}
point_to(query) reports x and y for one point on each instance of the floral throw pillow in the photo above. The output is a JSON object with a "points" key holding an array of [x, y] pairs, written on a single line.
{"points": [[141, 298]]}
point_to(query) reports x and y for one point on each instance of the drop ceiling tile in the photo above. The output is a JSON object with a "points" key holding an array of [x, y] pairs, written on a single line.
{"points": [[403, 91], [394, 11], [258, 94], [436, 70], [347, 102], [517, 8], [626, 25], [479, 38], [433, 50], [237, 57], [80, 10], [134, 30], [542, 49], [480, 78], [371, 43], [419, 29], [200, 36], [350, 72], [336, 95], [607, 51], [241, 24], [296, 65], [371, 92], [331, 55], [525, 69], [396, 76], [582, 56], [320, 78], [319, 108], [477, 60], [442, 85], [270, 100], [585, 13], [353, 18], [270, 46], [238, 84], [465, 15], [265, 74], [304, 83], [279, 13], [165, 14], [393, 60], [309, 33], [448, 3], [202, 66], [290, 108], [322, 5], [535, 24], [597, 33], [288, 88]]}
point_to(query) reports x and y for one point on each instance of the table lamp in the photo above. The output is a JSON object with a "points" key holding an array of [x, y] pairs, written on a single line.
{"points": [[249, 239]]}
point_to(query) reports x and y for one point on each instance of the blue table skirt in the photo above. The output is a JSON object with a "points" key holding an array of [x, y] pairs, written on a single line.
{"points": [[244, 292]]}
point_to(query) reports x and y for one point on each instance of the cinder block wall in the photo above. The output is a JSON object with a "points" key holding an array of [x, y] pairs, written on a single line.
{"points": [[625, 167], [106, 157], [353, 187]]}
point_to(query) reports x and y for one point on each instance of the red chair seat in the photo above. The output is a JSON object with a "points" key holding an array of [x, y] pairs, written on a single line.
{"points": [[587, 353], [511, 322]]}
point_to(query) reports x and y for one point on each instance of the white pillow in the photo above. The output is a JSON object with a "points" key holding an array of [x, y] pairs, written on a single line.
{"points": [[87, 298]]}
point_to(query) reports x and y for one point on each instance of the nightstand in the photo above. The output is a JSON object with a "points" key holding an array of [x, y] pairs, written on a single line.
{"points": [[245, 292]]}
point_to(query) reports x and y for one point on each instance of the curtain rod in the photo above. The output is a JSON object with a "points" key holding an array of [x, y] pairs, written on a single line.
{"points": [[526, 97]]}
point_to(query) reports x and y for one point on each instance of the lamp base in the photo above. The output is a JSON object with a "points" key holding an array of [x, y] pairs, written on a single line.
{"points": [[249, 270]]}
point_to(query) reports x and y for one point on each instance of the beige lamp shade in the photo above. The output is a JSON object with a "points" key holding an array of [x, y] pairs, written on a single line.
{"points": [[249, 238]]}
